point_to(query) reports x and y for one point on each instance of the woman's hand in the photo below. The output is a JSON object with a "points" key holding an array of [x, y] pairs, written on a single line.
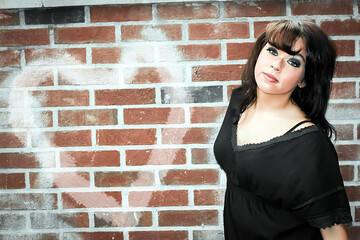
{"points": [[336, 232]]}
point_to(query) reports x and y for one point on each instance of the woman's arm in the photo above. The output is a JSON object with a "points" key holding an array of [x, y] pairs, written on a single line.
{"points": [[336, 232]]}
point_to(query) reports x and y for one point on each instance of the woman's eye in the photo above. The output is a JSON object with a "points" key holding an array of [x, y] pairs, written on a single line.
{"points": [[272, 51], [294, 62]]}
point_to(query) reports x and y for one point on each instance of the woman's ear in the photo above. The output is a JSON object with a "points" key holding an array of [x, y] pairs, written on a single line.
{"points": [[302, 84]]}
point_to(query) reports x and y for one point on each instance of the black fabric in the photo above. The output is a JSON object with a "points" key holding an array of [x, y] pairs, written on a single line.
{"points": [[284, 188]]}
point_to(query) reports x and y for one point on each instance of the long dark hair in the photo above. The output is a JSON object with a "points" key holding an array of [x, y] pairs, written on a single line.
{"points": [[319, 68]]}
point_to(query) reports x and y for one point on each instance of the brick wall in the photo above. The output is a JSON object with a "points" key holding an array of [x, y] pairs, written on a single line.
{"points": [[108, 114]]}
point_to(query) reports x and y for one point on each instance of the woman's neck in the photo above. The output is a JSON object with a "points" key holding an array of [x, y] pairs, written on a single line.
{"points": [[272, 103]]}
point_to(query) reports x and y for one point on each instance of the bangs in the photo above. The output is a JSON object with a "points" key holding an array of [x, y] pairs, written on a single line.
{"points": [[283, 35]]}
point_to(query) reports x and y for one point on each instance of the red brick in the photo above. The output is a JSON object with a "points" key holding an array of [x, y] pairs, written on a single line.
{"points": [[189, 177], [348, 152], [236, 51], [202, 156], [63, 138], [210, 31], [12, 180], [55, 56], [62, 98], [88, 76], [124, 179], [12, 139], [344, 131], [209, 197], [22, 37], [217, 73], [59, 180], [255, 9], [154, 116], [230, 89], [186, 135], [91, 199], [357, 214], [29, 77], [124, 13], [9, 17], [158, 198], [155, 157], [347, 172], [188, 11], [157, 235], [345, 47], [50, 220], [344, 111], [169, 32], [338, 27], [347, 69], [88, 117], [28, 201], [322, 7], [125, 96], [23, 119], [353, 232], [106, 55], [113, 137], [259, 28], [198, 52], [206, 114], [353, 193], [90, 159], [123, 219], [343, 90], [85, 35], [188, 218], [9, 58], [27, 160], [145, 75], [93, 235]]}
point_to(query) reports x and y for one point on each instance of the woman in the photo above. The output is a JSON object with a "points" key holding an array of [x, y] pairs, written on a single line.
{"points": [[283, 178]]}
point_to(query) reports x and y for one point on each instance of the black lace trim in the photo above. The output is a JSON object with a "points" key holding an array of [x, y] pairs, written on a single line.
{"points": [[338, 216]]}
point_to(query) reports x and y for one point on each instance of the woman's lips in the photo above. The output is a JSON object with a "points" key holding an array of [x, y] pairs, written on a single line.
{"points": [[270, 78]]}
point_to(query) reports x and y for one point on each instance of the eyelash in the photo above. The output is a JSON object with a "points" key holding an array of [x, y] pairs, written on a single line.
{"points": [[292, 61]]}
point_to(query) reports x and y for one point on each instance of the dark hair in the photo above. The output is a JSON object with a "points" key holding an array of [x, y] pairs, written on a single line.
{"points": [[319, 68]]}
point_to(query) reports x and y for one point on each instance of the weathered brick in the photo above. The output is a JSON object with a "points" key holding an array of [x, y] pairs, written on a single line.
{"points": [[121, 13], [12, 221], [59, 180], [104, 34], [206, 114], [27, 160], [154, 116], [343, 90], [87, 117], [322, 7], [338, 27], [126, 137], [186, 135], [63, 138], [236, 51], [209, 197], [158, 198], [169, 32], [202, 156], [93, 235], [59, 220], [124, 179], [9, 17], [343, 111], [12, 180], [193, 52], [157, 235], [144, 75], [123, 219], [347, 69], [58, 15], [358, 131], [344, 131], [255, 9], [55, 56], [217, 73], [11, 98], [188, 218], [203, 94], [27, 236], [91, 199], [125, 96], [259, 28], [345, 47], [109, 158], [29, 77], [88, 76], [28, 201], [211, 31], [347, 172], [208, 235], [15, 119], [124, 54], [357, 214], [22, 37], [188, 11], [189, 177], [348, 152], [62, 98], [353, 193], [12, 139], [155, 157], [9, 58]]}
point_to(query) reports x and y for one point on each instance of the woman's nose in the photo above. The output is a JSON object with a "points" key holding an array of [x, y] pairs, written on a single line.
{"points": [[276, 64]]}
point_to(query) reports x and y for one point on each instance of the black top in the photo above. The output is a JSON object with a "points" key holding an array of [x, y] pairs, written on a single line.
{"points": [[284, 188]]}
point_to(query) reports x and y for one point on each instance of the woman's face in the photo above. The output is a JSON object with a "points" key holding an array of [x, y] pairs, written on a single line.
{"points": [[277, 72]]}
